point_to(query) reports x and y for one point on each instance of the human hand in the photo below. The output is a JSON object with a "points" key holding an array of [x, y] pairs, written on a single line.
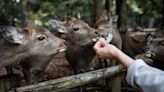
{"points": [[105, 50]]}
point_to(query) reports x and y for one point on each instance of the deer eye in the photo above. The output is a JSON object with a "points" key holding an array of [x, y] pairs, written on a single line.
{"points": [[97, 34], [76, 29], [41, 38]]}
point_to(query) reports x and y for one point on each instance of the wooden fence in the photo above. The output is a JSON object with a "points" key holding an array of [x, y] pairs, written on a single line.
{"points": [[71, 81]]}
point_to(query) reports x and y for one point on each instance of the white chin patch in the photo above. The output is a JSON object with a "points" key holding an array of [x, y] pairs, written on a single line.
{"points": [[109, 38], [61, 50], [61, 31], [94, 39]]}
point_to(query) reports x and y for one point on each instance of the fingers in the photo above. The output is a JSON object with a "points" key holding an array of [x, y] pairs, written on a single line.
{"points": [[102, 41], [99, 44]]}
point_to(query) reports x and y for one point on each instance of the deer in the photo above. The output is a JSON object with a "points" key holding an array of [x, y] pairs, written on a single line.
{"points": [[26, 46], [80, 39]]}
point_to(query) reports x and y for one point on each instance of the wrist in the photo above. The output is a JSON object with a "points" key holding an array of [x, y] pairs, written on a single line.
{"points": [[114, 53], [117, 53], [123, 59]]}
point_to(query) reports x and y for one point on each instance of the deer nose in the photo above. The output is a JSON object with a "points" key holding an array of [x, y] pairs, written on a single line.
{"points": [[146, 49]]}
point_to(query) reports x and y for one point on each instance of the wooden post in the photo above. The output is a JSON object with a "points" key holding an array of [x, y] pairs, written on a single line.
{"points": [[115, 81], [4, 85]]}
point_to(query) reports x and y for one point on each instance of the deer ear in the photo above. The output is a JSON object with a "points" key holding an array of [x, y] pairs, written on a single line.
{"points": [[30, 23], [57, 26], [11, 34], [70, 20], [138, 38], [105, 15], [114, 19], [73, 18], [149, 38]]}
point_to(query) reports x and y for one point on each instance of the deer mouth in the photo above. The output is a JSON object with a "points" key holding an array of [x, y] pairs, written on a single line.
{"points": [[150, 55], [61, 49], [57, 50], [107, 37]]}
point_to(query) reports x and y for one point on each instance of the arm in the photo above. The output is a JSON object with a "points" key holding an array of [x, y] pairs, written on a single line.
{"points": [[144, 77], [139, 74]]}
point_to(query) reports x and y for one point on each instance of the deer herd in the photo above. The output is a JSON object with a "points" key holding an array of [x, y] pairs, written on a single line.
{"points": [[32, 47]]}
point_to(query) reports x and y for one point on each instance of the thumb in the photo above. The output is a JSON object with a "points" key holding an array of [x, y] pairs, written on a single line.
{"points": [[102, 42]]}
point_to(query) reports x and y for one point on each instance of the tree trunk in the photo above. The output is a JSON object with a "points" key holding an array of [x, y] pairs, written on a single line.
{"points": [[122, 15], [107, 5], [95, 10], [24, 12], [13, 13], [122, 20]]}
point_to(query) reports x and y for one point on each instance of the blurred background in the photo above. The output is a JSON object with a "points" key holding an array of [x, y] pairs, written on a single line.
{"points": [[132, 13]]}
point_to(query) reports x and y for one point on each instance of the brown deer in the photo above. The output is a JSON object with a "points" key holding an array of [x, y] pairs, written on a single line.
{"points": [[154, 50], [108, 24], [79, 39], [19, 44], [135, 42]]}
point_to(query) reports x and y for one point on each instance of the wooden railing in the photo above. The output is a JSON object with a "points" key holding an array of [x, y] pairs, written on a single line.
{"points": [[71, 81]]}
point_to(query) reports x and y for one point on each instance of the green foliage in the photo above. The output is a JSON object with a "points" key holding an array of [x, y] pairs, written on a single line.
{"points": [[41, 10], [8, 11], [60, 9], [134, 6]]}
